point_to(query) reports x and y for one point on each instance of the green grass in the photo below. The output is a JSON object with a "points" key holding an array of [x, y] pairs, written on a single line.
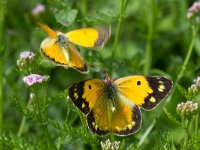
{"points": [[148, 37]]}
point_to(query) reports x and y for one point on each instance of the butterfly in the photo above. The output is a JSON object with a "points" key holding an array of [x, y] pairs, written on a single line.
{"points": [[58, 48], [113, 106]]}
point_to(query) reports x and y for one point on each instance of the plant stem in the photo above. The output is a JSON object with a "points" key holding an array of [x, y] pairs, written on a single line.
{"points": [[2, 13], [22, 126], [194, 34], [146, 133], [23, 122], [83, 7], [43, 123], [196, 123], [191, 46], [148, 49], [119, 25]]}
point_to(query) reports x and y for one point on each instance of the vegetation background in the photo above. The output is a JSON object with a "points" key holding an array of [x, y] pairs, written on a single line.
{"points": [[151, 37]]}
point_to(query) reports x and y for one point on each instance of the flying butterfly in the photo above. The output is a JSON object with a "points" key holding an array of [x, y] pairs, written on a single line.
{"points": [[58, 48], [113, 106]]}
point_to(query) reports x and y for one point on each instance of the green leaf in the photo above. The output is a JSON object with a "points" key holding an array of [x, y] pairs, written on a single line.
{"points": [[101, 18], [171, 117], [12, 141], [182, 90], [78, 132], [185, 93], [66, 17]]}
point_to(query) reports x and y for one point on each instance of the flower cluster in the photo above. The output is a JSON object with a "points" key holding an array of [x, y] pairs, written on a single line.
{"points": [[195, 86], [25, 58], [27, 55], [194, 12], [187, 109], [107, 145], [35, 79]]}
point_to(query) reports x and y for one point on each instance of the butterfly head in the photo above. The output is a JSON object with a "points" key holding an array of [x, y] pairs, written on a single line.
{"points": [[62, 39]]}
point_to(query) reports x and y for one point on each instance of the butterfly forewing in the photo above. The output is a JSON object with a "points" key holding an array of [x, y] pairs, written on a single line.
{"points": [[89, 37], [51, 33], [145, 91], [84, 95], [161, 87]]}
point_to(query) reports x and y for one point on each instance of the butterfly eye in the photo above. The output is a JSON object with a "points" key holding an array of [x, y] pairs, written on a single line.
{"points": [[90, 87], [138, 83]]}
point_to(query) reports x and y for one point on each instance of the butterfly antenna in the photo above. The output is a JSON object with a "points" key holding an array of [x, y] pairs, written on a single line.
{"points": [[99, 70], [63, 26]]}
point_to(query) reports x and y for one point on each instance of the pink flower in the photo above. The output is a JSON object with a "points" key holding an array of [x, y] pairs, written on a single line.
{"points": [[38, 9], [27, 55], [26, 58], [193, 10], [35, 79]]}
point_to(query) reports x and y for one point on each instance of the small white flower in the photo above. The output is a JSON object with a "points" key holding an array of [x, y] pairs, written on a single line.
{"points": [[187, 109], [107, 145]]}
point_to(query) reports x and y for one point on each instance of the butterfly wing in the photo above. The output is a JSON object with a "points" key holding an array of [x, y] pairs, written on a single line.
{"points": [[89, 37], [51, 49], [85, 94], [124, 120], [145, 91], [63, 55], [51, 33], [76, 60]]}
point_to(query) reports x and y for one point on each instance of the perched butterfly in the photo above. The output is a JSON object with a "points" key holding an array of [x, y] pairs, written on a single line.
{"points": [[112, 106], [58, 48]]}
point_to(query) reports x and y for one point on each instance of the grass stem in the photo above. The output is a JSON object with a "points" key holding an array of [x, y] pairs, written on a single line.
{"points": [[196, 123], [187, 58], [2, 14], [148, 49], [43, 123], [124, 4], [23, 121]]}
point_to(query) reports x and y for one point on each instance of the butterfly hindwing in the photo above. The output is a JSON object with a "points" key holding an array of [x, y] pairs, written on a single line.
{"points": [[53, 51], [144, 91], [124, 119], [62, 54], [76, 60], [85, 94]]}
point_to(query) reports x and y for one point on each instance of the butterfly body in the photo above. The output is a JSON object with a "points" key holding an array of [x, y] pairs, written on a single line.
{"points": [[112, 106], [58, 48], [62, 39]]}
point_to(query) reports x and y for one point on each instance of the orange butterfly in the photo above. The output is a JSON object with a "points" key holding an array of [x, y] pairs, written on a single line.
{"points": [[57, 46], [113, 106]]}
